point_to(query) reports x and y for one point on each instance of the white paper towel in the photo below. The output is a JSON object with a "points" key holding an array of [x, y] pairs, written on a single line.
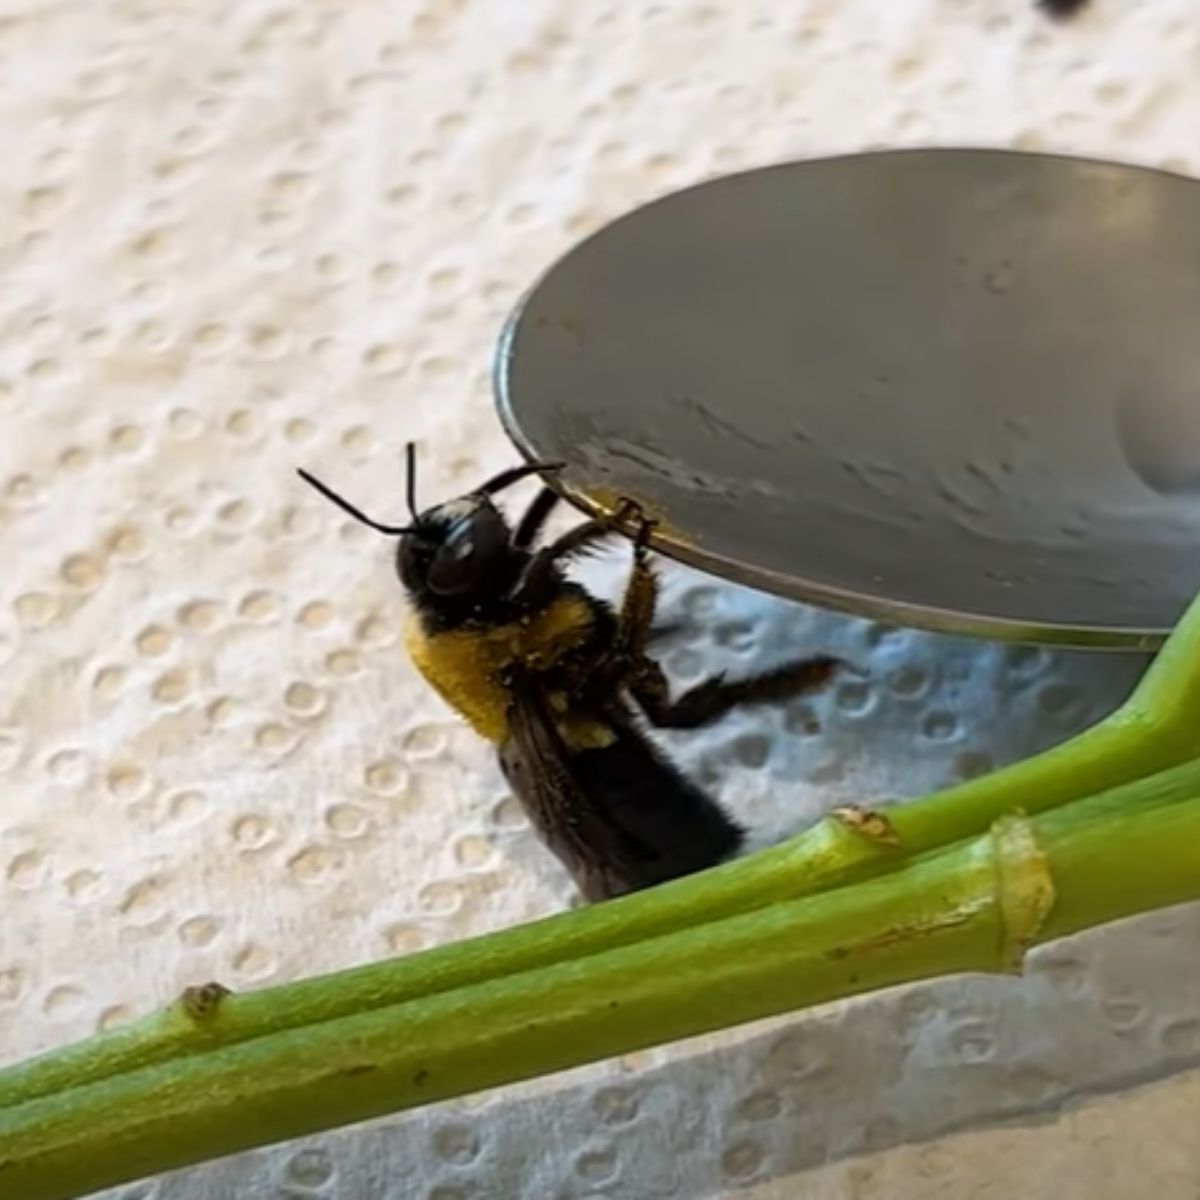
{"points": [[242, 237]]}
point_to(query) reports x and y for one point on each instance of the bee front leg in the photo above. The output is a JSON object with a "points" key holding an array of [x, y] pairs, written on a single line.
{"points": [[534, 518], [625, 656], [635, 622], [541, 575], [711, 699]]}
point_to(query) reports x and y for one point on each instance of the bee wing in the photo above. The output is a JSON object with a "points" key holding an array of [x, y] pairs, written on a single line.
{"points": [[602, 857]]}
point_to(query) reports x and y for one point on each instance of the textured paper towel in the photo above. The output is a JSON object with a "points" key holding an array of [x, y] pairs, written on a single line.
{"points": [[242, 237]]}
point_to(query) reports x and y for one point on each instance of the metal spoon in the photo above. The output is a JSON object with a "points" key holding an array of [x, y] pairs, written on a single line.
{"points": [[956, 389]]}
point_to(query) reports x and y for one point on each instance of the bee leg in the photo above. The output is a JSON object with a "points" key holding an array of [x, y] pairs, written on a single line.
{"points": [[540, 575], [635, 622], [625, 656], [534, 518], [541, 570], [715, 697]]}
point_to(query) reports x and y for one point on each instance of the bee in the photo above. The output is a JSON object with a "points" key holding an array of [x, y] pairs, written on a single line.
{"points": [[563, 684]]}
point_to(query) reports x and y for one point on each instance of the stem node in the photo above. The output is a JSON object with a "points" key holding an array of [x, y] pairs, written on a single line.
{"points": [[200, 1004], [1025, 887], [868, 823]]}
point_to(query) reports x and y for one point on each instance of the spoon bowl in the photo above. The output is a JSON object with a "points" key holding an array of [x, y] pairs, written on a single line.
{"points": [[954, 389]]}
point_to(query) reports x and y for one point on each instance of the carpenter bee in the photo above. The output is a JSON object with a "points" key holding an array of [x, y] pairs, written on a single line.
{"points": [[559, 681]]}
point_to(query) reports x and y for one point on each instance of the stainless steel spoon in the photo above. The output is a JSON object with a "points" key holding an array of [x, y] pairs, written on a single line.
{"points": [[956, 389]]}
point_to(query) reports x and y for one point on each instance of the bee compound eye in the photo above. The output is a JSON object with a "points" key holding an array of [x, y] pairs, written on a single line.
{"points": [[468, 551]]}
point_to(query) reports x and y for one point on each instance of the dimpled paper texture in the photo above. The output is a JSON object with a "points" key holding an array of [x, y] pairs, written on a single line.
{"points": [[242, 237]]}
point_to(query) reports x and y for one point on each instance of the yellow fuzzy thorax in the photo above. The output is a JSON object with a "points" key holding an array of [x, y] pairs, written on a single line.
{"points": [[464, 666]]}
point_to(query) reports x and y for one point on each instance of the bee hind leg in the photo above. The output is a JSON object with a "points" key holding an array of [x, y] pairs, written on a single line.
{"points": [[715, 697]]}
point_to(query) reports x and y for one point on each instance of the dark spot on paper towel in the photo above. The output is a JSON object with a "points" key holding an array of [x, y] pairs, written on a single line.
{"points": [[1061, 8]]}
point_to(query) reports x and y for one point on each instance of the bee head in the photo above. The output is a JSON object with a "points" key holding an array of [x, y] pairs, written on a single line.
{"points": [[456, 552], [456, 549]]}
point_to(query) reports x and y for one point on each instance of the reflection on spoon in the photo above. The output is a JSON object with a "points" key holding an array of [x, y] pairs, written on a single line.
{"points": [[1161, 441]]}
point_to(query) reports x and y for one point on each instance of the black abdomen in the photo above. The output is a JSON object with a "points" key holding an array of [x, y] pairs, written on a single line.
{"points": [[680, 828], [646, 823]]}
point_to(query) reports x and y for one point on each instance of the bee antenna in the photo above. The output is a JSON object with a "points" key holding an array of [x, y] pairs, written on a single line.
{"points": [[410, 486], [515, 474], [346, 506]]}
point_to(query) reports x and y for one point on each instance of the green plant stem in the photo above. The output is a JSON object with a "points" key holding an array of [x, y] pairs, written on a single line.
{"points": [[1145, 735], [1154, 729], [972, 907]]}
